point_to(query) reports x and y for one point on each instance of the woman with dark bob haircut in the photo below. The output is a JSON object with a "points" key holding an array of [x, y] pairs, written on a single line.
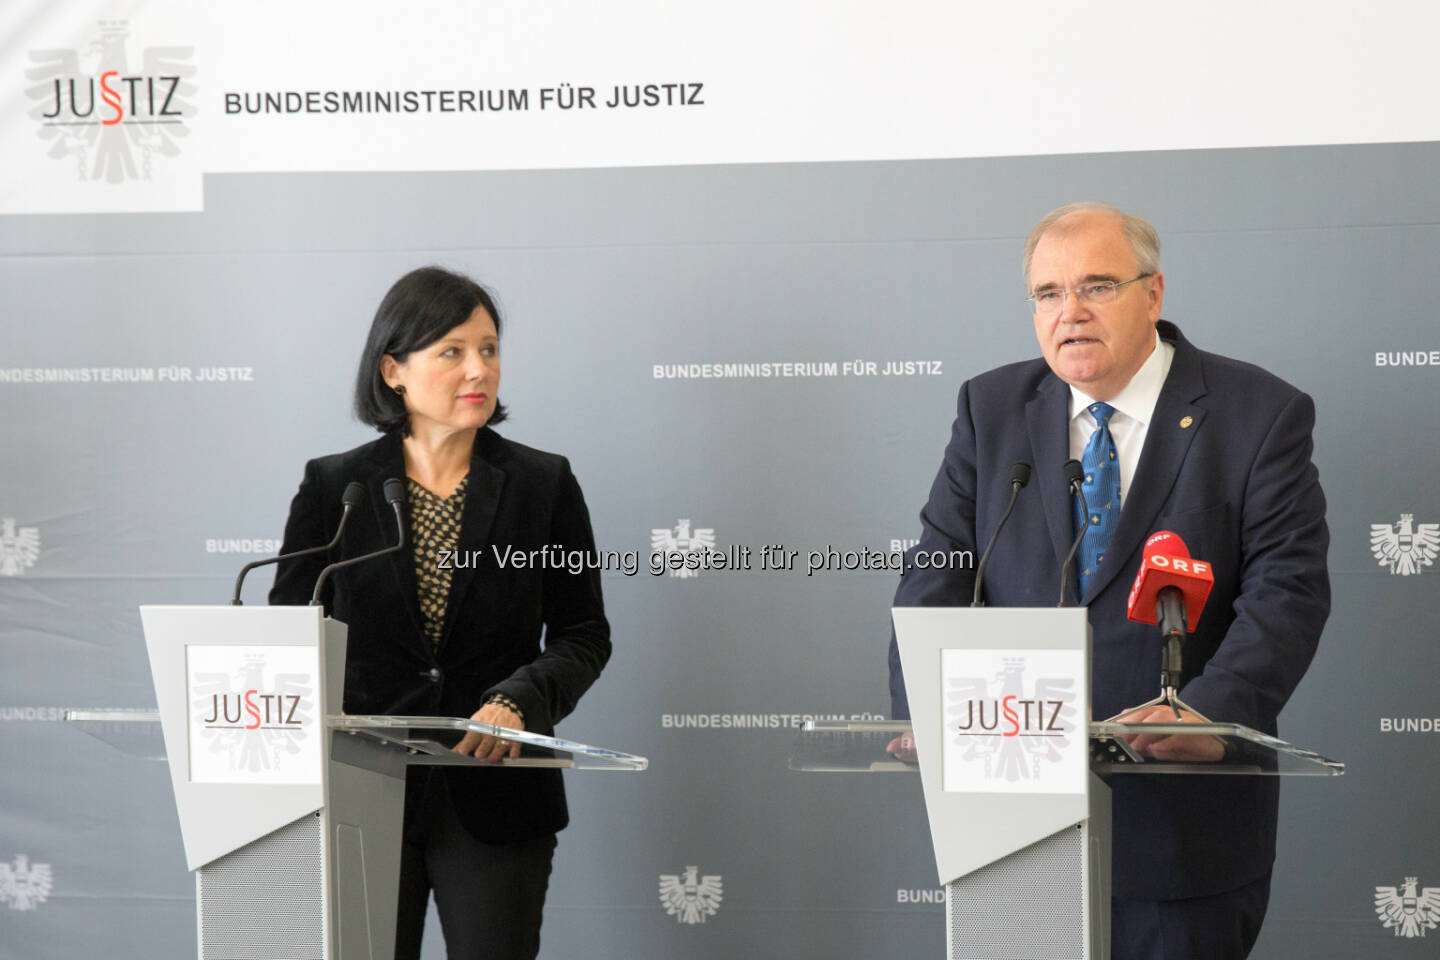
{"points": [[436, 638]]}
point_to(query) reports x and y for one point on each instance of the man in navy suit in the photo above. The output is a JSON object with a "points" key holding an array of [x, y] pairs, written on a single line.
{"points": [[1213, 449]]}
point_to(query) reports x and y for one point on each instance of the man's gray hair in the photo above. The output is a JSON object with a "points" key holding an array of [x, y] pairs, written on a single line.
{"points": [[1144, 241]]}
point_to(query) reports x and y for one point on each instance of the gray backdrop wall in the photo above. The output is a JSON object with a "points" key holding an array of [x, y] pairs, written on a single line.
{"points": [[1308, 261]]}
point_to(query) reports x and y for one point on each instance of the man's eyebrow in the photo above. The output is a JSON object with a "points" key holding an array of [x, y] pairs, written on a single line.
{"points": [[1088, 278]]}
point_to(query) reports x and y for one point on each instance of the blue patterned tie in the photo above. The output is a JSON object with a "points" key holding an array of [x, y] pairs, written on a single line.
{"points": [[1102, 495]]}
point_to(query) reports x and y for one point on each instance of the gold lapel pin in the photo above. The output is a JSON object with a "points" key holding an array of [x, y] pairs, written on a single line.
{"points": [[1185, 422]]}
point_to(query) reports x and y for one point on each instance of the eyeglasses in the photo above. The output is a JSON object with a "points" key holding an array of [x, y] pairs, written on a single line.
{"points": [[1096, 293]]}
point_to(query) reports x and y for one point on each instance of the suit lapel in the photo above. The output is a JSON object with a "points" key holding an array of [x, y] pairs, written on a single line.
{"points": [[1047, 419], [1166, 445], [482, 500]]}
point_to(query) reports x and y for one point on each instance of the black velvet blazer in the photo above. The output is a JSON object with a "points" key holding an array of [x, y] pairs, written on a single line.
{"points": [[517, 498]]}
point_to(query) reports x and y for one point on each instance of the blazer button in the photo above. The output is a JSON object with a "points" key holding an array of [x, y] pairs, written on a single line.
{"points": [[434, 674]]}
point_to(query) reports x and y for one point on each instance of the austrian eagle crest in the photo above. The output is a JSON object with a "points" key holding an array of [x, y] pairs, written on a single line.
{"points": [[19, 548], [1406, 547], [681, 539], [1408, 912], [24, 885], [691, 898]]}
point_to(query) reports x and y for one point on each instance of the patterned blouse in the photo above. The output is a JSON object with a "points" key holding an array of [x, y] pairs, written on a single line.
{"points": [[435, 525]]}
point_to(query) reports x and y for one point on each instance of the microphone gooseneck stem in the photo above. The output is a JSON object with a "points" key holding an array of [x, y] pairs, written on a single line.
{"points": [[1015, 485], [245, 570], [1075, 489], [400, 542]]}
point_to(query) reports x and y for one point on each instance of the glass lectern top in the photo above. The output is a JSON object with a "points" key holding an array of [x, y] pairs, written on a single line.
{"points": [[1244, 752], [426, 741], [133, 732], [849, 746], [842, 746]]}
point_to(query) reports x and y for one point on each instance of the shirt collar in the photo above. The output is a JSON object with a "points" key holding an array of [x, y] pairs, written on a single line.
{"points": [[1138, 398]]}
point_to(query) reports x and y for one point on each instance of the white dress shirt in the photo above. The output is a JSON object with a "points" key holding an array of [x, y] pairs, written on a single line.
{"points": [[1134, 409]]}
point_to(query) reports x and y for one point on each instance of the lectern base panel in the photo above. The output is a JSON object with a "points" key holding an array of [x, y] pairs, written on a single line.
{"points": [[322, 887], [1030, 905], [267, 899]]}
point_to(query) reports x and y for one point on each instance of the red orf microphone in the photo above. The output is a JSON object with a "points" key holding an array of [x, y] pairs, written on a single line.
{"points": [[1171, 587]]}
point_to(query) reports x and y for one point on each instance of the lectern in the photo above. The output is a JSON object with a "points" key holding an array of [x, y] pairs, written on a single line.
{"points": [[291, 812], [1015, 778]]}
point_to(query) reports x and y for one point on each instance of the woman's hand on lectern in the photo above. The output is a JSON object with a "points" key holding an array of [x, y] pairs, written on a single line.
{"points": [[485, 747]]}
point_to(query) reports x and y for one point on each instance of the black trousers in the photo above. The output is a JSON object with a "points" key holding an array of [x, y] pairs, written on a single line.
{"points": [[1220, 927], [489, 896]]}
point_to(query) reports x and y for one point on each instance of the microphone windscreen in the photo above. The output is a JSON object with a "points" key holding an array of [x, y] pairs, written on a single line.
{"points": [[1163, 541], [1074, 472], [354, 494], [1020, 473], [1167, 563], [394, 491]]}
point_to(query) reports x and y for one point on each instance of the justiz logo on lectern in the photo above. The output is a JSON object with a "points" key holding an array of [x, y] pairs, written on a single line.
{"points": [[1006, 733], [1011, 716], [252, 714], [273, 711]]}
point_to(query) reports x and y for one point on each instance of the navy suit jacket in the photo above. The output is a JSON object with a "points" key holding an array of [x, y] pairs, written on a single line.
{"points": [[516, 497], [1237, 484]]}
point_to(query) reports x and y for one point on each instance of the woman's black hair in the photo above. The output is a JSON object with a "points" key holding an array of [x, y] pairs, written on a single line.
{"points": [[419, 309]]}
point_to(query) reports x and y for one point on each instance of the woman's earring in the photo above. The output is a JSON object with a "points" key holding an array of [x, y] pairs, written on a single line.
{"points": [[400, 390]]}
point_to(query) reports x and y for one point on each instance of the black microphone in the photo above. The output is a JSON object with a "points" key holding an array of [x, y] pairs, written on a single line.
{"points": [[1075, 480], [395, 496], [353, 496], [1170, 613], [1019, 476]]}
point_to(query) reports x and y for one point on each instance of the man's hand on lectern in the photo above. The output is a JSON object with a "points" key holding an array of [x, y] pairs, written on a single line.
{"points": [[903, 747], [1177, 747], [486, 747]]}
